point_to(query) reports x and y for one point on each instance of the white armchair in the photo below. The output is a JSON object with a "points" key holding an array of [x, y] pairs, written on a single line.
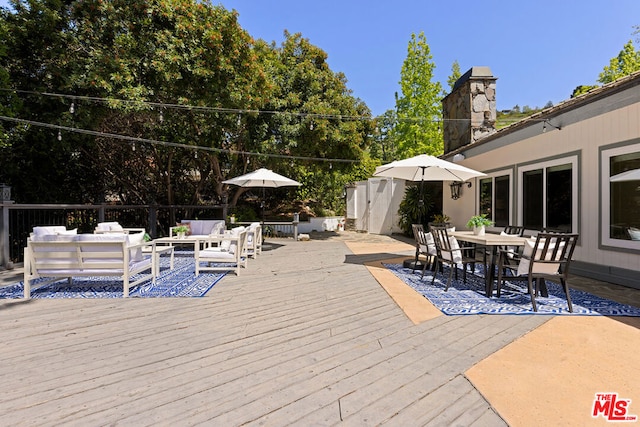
{"points": [[222, 253], [254, 240]]}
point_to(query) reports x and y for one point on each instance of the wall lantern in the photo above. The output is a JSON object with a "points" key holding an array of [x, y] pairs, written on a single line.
{"points": [[5, 193], [456, 188]]}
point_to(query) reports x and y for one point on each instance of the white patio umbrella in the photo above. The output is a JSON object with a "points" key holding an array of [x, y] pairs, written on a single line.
{"points": [[426, 168], [632, 175], [262, 178]]}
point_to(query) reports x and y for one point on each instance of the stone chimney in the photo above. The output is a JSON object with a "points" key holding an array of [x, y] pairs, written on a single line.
{"points": [[469, 111]]}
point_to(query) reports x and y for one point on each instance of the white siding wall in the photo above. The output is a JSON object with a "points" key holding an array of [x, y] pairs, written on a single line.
{"points": [[585, 138]]}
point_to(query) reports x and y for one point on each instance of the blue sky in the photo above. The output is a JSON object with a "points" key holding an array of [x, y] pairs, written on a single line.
{"points": [[539, 50]]}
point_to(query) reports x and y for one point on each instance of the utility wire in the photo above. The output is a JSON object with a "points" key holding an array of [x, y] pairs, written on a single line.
{"points": [[226, 110], [169, 144]]}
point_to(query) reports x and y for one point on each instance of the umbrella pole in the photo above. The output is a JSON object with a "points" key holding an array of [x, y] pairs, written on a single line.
{"points": [[262, 206], [415, 263]]}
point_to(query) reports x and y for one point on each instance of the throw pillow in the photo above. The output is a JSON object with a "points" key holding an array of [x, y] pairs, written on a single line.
{"points": [[67, 232], [135, 254], [540, 268]]}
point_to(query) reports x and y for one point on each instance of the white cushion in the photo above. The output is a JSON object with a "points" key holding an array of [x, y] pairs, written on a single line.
{"points": [[109, 237], [197, 228], [67, 232], [228, 245], [108, 226], [218, 228], [634, 233], [510, 250], [539, 268], [431, 244], [205, 227], [56, 238], [455, 251], [52, 229], [216, 253], [135, 239], [502, 233]]}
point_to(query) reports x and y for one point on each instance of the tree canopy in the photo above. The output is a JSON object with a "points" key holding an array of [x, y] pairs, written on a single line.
{"points": [[162, 100], [627, 62], [419, 109]]}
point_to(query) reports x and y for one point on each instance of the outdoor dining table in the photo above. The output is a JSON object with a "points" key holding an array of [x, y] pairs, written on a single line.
{"points": [[493, 241]]}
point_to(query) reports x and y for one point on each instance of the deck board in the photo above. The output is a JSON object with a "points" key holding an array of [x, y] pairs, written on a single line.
{"points": [[304, 336]]}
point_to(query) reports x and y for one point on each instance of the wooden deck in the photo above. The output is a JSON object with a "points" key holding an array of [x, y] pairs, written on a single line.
{"points": [[304, 336]]}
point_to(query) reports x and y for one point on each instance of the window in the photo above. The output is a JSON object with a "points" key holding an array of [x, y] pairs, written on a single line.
{"points": [[495, 198], [549, 195], [620, 199]]}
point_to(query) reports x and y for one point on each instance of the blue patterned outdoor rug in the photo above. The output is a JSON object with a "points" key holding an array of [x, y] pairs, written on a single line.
{"points": [[469, 298], [179, 282]]}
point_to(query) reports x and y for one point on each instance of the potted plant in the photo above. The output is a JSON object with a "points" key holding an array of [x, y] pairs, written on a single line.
{"points": [[478, 224], [180, 230], [440, 220]]}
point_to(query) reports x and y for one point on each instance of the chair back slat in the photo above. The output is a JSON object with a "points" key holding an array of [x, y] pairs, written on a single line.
{"points": [[514, 229], [441, 238], [554, 248], [444, 243], [417, 228]]}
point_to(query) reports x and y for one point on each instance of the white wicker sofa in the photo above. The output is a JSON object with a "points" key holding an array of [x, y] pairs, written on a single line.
{"points": [[62, 254], [201, 227]]}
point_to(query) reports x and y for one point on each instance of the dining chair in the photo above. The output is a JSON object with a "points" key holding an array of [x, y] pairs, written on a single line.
{"points": [[547, 257], [416, 228], [426, 247], [509, 230], [449, 252]]}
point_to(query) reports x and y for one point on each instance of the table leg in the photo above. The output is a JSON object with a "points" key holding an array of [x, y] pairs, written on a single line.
{"points": [[542, 287], [490, 276]]}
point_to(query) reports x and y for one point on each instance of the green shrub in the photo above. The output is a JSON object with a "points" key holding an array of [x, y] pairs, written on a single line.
{"points": [[412, 211]]}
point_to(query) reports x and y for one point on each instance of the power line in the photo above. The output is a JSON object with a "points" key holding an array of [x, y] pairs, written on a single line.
{"points": [[169, 144], [160, 105]]}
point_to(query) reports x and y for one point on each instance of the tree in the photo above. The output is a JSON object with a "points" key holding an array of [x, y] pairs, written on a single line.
{"points": [[40, 166], [191, 97], [314, 116], [383, 145], [455, 74], [627, 61], [418, 107], [579, 90], [185, 54]]}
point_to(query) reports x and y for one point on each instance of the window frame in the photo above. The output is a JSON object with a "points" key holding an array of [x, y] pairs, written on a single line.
{"points": [[509, 172], [574, 160], [606, 153]]}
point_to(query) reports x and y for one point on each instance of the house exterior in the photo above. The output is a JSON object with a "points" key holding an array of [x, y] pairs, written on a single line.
{"points": [[552, 170], [548, 171]]}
